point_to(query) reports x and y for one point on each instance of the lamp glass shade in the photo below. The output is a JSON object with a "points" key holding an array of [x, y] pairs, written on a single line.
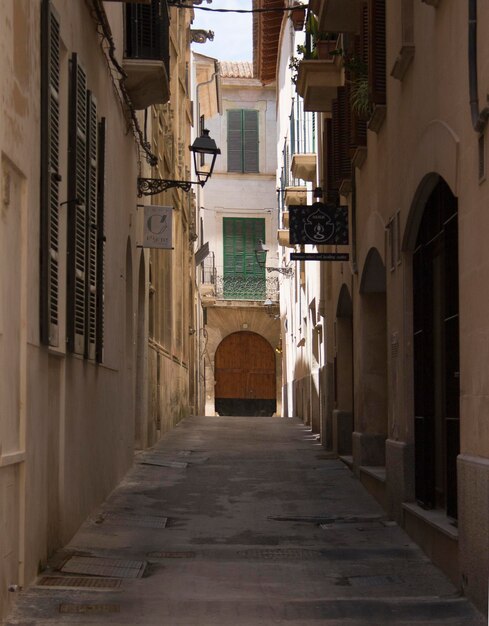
{"points": [[205, 151]]}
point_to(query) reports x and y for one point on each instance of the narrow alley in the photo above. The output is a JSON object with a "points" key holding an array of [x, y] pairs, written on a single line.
{"points": [[243, 522]]}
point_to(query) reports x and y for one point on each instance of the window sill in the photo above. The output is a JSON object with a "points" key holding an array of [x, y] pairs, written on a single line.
{"points": [[436, 518]]}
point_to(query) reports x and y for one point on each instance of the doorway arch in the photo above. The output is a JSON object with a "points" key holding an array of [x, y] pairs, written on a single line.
{"points": [[436, 350], [245, 378]]}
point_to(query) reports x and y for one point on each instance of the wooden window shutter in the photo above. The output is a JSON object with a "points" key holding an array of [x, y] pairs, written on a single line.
{"points": [[328, 171], [358, 126], [77, 208], [250, 141], [335, 144], [377, 51], [235, 141], [50, 177], [100, 281], [344, 134], [92, 227]]}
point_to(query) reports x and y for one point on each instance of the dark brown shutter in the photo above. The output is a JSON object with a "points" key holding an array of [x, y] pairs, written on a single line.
{"points": [[341, 153], [377, 51], [50, 177], [100, 243], [329, 142], [358, 126], [91, 233], [77, 208], [250, 141]]}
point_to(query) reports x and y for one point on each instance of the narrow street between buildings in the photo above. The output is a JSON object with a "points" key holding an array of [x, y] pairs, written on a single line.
{"points": [[240, 522]]}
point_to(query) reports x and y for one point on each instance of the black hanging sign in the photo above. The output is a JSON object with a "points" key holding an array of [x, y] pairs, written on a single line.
{"points": [[318, 224]]}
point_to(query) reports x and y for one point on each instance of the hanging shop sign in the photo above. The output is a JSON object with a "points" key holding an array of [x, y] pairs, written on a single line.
{"points": [[157, 228], [318, 224]]}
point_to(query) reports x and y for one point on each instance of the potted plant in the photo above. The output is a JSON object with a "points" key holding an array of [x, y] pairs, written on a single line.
{"points": [[323, 42], [297, 16]]}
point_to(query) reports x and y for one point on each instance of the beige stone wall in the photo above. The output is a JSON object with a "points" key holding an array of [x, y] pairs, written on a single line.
{"points": [[66, 424], [427, 132]]}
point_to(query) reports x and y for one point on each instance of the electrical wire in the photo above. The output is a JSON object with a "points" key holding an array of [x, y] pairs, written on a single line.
{"points": [[179, 5]]}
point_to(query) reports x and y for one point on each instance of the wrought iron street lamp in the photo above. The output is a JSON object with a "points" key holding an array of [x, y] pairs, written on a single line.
{"points": [[261, 252], [204, 150]]}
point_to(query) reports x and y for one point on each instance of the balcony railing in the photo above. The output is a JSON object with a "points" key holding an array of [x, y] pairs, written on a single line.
{"points": [[241, 287], [302, 129]]}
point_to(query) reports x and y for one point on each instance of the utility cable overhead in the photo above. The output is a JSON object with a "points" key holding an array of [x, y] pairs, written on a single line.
{"points": [[179, 5]]}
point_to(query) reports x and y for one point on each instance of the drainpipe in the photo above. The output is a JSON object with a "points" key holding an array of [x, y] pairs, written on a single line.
{"points": [[479, 118]]}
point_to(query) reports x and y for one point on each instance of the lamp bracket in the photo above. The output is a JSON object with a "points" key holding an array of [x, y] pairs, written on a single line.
{"points": [[286, 271], [152, 186]]}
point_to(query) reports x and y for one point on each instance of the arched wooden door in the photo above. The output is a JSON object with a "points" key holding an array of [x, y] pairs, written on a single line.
{"points": [[245, 376]]}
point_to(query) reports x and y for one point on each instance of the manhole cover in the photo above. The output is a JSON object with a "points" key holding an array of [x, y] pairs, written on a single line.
{"points": [[89, 608], [96, 566], [143, 521], [279, 554], [77, 582], [171, 555]]}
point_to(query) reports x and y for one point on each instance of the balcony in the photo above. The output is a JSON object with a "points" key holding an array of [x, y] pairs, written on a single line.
{"points": [[146, 53], [304, 167], [295, 195], [317, 82], [283, 238], [250, 288], [341, 16]]}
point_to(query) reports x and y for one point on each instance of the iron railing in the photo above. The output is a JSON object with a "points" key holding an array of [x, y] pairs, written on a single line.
{"points": [[242, 287]]}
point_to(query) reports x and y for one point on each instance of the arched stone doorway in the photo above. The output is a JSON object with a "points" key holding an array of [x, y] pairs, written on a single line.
{"points": [[436, 351], [245, 375], [343, 374], [371, 405]]}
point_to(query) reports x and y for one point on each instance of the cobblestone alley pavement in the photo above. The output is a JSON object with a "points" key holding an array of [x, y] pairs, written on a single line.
{"points": [[240, 522]]}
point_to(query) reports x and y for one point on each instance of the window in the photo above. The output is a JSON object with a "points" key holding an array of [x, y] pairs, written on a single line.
{"points": [[242, 140], [244, 279], [85, 271]]}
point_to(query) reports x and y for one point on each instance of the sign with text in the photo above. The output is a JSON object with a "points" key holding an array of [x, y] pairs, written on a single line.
{"points": [[157, 229], [319, 256], [318, 224]]}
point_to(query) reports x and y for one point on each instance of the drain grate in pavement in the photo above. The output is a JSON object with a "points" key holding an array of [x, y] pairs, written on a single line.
{"points": [[89, 608], [374, 581], [279, 554], [171, 555], [162, 463], [79, 582], [142, 521], [96, 566]]}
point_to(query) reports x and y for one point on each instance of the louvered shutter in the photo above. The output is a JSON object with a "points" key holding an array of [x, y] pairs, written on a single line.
{"points": [[235, 141], [250, 141], [100, 295], [377, 51], [91, 226], [344, 164], [50, 177], [358, 126], [77, 208], [328, 171]]}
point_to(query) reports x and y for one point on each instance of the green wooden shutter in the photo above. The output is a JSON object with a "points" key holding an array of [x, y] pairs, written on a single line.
{"points": [[50, 177], [91, 226], [250, 141], [100, 297], [235, 141], [244, 279], [77, 207]]}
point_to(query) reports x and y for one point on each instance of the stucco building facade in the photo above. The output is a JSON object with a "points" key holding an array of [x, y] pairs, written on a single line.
{"points": [[404, 317], [77, 339]]}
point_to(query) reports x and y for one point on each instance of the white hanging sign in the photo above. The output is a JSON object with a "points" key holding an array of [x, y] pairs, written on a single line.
{"points": [[157, 228]]}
